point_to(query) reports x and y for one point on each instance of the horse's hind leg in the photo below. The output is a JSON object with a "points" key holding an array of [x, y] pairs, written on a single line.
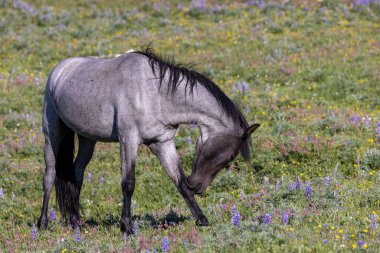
{"points": [[168, 156], [54, 130], [85, 152]]}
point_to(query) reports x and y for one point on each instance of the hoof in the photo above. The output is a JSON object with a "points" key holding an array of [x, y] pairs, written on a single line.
{"points": [[126, 227], [42, 224], [202, 221]]}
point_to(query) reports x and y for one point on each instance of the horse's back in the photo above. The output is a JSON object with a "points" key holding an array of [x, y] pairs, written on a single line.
{"points": [[86, 93]]}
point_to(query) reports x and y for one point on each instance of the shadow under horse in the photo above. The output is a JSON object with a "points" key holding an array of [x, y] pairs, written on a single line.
{"points": [[136, 98]]}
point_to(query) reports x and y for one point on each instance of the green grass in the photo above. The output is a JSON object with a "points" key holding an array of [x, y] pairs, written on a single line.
{"points": [[309, 67]]}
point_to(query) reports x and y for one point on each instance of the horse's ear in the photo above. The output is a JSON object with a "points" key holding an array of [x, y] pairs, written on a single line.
{"points": [[250, 130]]}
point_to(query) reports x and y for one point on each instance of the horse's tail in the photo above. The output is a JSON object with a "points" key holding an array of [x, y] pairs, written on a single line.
{"points": [[67, 194]]}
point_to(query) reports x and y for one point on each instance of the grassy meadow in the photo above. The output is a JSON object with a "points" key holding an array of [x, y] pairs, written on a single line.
{"points": [[307, 71]]}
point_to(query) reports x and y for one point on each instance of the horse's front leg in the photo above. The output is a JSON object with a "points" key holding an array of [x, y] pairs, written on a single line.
{"points": [[168, 156], [128, 152]]}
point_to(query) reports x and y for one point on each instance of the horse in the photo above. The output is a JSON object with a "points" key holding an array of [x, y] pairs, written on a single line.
{"points": [[138, 98]]}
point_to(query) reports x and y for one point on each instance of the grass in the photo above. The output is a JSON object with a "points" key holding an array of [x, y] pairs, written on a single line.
{"points": [[312, 70]]}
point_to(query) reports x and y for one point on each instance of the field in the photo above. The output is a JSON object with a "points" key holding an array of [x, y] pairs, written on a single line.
{"points": [[307, 71]]}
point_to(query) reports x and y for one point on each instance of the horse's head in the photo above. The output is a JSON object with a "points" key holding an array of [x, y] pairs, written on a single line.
{"points": [[214, 154]]}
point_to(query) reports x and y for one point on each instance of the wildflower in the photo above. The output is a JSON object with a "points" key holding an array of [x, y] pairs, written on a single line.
{"points": [[247, 110], [21, 142], [374, 225], [290, 186], [308, 189], [277, 185], [33, 233], [77, 235], [234, 89], [242, 195], [366, 121], [352, 119], [370, 141], [52, 214], [125, 237], [101, 180], [377, 130], [1, 193], [266, 181], [325, 241], [298, 184], [89, 175], [3, 147], [360, 244], [235, 217], [189, 140], [199, 5], [267, 218], [165, 244], [285, 218], [327, 181], [244, 87], [267, 88], [358, 119], [135, 227]]}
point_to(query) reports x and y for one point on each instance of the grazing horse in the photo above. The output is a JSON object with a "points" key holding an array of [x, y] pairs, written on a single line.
{"points": [[136, 98]]}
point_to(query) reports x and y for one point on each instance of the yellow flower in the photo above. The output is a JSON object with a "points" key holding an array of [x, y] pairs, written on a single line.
{"points": [[337, 236], [341, 231], [319, 226], [354, 246], [332, 227], [365, 230], [370, 141], [64, 250], [365, 246]]}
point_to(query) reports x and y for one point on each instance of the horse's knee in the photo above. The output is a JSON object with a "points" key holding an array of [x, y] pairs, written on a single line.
{"points": [[128, 186]]}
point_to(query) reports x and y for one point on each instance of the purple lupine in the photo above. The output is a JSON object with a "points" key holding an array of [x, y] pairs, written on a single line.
{"points": [[135, 227], [325, 241], [358, 119], [189, 140], [3, 148], [20, 142], [244, 87], [239, 86], [1, 193], [250, 2], [285, 218], [298, 184], [247, 110], [101, 180], [165, 244], [353, 119], [34, 138], [378, 129], [374, 225], [234, 89], [291, 186], [327, 181], [235, 217], [267, 87], [242, 195], [360, 244], [89, 175], [277, 185], [308, 189], [133, 205], [125, 237], [52, 214], [156, 6], [267, 219], [366, 121], [77, 235], [33, 233], [199, 5], [358, 160]]}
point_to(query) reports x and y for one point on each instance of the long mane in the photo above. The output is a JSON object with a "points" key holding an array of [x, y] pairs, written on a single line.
{"points": [[176, 73]]}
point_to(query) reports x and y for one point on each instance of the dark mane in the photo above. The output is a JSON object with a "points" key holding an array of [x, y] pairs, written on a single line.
{"points": [[176, 73]]}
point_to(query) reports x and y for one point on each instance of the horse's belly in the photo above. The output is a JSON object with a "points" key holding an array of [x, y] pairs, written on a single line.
{"points": [[90, 118]]}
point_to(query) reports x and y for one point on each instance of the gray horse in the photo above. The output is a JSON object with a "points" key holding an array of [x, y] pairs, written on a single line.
{"points": [[136, 98]]}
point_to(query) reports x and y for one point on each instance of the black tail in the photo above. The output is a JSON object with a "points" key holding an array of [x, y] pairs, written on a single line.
{"points": [[67, 193]]}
